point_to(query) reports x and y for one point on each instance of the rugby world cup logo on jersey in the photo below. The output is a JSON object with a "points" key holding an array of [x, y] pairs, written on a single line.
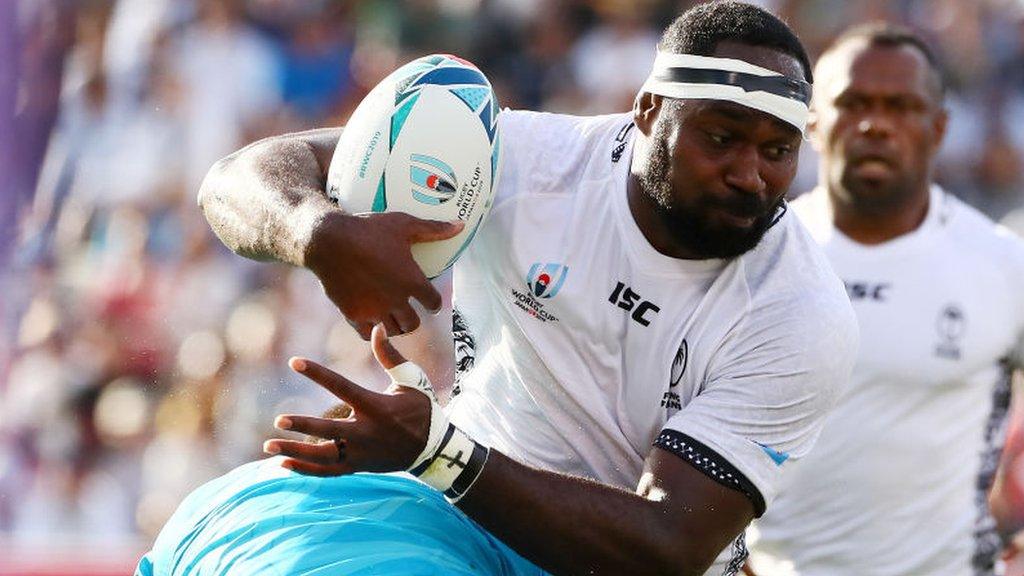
{"points": [[433, 181], [543, 280]]}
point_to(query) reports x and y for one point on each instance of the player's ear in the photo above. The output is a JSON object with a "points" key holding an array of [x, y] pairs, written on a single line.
{"points": [[939, 123], [645, 110], [812, 127]]}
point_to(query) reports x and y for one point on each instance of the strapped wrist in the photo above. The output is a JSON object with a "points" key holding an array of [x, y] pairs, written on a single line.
{"points": [[455, 466], [410, 375], [451, 461]]}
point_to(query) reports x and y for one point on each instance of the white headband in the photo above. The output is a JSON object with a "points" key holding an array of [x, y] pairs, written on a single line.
{"points": [[710, 78]]}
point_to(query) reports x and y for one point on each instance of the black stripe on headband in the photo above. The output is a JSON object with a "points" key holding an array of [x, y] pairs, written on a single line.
{"points": [[779, 85]]}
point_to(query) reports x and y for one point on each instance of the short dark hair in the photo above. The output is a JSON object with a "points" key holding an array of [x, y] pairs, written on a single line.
{"points": [[700, 29], [891, 35]]}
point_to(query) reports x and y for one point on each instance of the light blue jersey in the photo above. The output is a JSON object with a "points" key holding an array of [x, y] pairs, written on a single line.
{"points": [[263, 519]]}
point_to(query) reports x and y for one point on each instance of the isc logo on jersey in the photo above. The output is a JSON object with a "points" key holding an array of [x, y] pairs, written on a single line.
{"points": [[424, 141]]}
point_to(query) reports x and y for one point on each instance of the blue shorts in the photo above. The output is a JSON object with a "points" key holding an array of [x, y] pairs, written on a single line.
{"points": [[263, 519]]}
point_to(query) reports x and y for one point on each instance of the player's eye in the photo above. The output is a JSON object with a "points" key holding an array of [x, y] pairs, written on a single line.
{"points": [[719, 138], [905, 105], [780, 152], [851, 104]]}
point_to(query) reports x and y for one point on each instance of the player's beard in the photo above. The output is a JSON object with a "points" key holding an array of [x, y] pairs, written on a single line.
{"points": [[688, 222]]}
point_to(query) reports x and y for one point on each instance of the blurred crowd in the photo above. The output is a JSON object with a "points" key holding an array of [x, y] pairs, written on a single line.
{"points": [[139, 358]]}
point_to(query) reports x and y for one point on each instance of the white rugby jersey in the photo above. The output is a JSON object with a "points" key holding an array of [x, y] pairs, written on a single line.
{"points": [[581, 346], [897, 483]]}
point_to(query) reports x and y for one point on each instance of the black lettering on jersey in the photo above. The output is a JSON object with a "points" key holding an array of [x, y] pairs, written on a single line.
{"points": [[643, 309], [626, 298], [876, 291]]}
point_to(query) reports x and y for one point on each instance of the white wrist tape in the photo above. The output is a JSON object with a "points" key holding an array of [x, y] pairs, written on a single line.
{"points": [[411, 375], [456, 466], [451, 461]]}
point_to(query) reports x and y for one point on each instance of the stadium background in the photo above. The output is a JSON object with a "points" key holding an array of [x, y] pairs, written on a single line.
{"points": [[140, 358]]}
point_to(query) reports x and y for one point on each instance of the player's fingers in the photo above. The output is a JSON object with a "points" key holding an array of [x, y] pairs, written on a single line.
{"points": [[392, 325], [427, 295], [420, 230], [317, 452], [345, 389], [310, 469], [406, 318], [362, 328], [383, 351], [313, 426], [338, 411]]}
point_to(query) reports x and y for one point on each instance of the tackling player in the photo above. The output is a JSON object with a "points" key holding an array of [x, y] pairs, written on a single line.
{"points": [[898, 482], [629, 414]]}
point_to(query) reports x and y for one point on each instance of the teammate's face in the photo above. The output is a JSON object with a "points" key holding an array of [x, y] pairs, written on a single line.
{"points": [[715, 170], [878, 123]]}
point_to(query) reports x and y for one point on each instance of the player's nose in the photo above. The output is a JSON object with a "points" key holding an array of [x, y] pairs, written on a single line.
{"points": [[875, 125], [744, 172]]}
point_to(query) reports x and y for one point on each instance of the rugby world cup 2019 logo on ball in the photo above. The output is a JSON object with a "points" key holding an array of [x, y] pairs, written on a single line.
{"points": [[433, 181]]}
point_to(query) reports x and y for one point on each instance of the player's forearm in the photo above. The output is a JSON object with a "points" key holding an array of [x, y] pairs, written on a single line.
{"points": [[569, 525], [267, 200]]}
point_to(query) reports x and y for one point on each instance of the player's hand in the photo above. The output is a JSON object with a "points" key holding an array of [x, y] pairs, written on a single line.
{"points": [[366, 268], [383, 433]]}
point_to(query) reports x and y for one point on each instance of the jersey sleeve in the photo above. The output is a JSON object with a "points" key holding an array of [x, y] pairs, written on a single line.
{"points": [[513, 128], [765, 399], [526, 140]]}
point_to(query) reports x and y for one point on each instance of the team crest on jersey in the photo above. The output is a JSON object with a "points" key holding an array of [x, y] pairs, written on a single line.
{"points": [[670, 400], [544, 280], [433, 181], [951, 325], [679, 364]]}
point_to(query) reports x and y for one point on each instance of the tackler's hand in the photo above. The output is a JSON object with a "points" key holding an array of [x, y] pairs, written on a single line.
{"points": [[384, 433]]}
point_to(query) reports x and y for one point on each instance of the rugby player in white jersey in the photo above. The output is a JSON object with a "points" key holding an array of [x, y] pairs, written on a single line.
{"points": [[897, 484], [654, 340]]}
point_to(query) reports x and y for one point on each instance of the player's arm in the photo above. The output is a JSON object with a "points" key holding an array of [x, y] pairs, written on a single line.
{"points": [[1000, 497], [268, 201], [676, 522], [717, 463]]}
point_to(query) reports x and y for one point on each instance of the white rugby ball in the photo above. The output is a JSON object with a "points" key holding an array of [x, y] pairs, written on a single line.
{"points": [[425, 142]]}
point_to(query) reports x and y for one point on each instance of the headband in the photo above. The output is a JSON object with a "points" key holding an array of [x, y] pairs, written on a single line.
{"points": [[709, 78]]}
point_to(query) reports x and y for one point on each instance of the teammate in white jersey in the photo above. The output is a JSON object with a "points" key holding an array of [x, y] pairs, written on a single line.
{"points": [[897, 484], [654, 339]]}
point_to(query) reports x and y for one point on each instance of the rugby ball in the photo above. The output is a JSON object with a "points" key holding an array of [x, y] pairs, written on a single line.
{"points": [[425, 142]]}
